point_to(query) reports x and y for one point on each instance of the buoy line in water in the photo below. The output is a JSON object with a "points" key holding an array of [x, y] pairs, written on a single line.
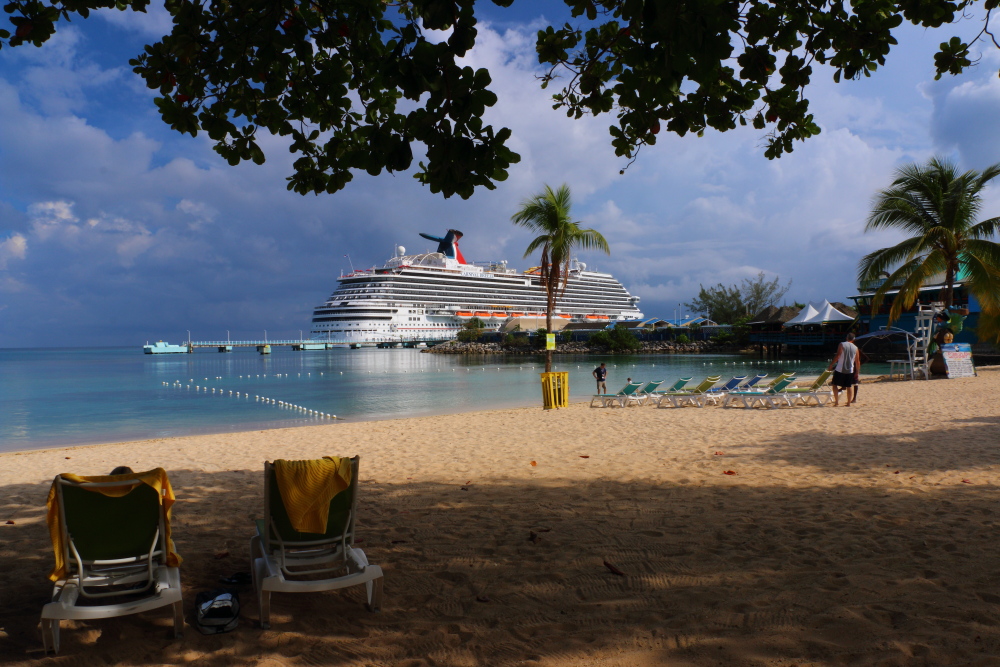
{"points": [[257, 398]]}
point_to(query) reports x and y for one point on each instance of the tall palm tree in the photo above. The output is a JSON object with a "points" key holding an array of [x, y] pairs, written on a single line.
{"points": [[548, 214], [938, 207]]}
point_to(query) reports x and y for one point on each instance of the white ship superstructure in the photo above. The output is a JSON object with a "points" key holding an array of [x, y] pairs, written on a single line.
{"points": [[430, 296]]}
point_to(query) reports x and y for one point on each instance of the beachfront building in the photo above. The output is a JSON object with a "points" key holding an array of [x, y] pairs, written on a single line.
{"points": [[931, 293], [815, 329]]}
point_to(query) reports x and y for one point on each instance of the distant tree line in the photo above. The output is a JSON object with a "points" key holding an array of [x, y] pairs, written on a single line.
{"points": [[729, 305]]}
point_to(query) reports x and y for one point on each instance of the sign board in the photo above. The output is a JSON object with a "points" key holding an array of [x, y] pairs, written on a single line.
{"points": [[550, 341], [958, 359]]}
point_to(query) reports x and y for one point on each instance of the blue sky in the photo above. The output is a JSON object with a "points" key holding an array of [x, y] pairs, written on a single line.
{"points": [[114, 230]]}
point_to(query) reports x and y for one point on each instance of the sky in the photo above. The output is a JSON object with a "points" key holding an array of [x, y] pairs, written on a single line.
{"points": [[114, 230]]}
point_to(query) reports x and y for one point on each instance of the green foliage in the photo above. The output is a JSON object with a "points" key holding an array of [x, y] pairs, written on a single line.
{"points": [[723, 338], [683, 339], [512, 341], [619, 339], [938, 207], [725, 305], [471, 331], [741, 330], [355, 85]]}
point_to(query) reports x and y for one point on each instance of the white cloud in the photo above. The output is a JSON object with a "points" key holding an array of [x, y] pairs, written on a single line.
{"points": [[151, 24], [14, 246]]}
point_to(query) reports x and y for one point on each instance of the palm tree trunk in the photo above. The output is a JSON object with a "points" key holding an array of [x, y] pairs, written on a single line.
{"points": [[549, 305], [949, 289]]}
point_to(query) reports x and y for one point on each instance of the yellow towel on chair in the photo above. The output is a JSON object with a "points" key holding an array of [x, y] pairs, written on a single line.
{"points": [[307, 487], [156, 478]]}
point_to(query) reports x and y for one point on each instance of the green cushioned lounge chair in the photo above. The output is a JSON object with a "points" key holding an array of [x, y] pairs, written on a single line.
{"points": [[285, 560], [695, 397], [114, 551], [813, 392], [641, 396], [619, 399], [771, 398]]}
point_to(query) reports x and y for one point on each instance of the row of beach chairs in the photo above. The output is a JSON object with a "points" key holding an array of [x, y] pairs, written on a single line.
{"points": [[749, 393], [115, 556]]}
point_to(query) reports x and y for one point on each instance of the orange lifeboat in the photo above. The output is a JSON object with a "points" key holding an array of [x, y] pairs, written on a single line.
{"points": [[517, 314], [597, 317], [481, 314], [565, 316], [499, 316], [464, 314]]}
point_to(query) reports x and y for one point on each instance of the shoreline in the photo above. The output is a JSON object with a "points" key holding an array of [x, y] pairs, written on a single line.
{"points": [[229, 430], [861, 535]]}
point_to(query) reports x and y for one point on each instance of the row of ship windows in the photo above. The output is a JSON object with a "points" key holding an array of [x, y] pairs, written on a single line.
{"points": [[525, 294], [464, 281], [526, 291], [565, 302], [398, 284], [412, 319]]}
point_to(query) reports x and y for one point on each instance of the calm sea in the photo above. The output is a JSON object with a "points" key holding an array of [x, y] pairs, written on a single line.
{"points": [[54, 397]]}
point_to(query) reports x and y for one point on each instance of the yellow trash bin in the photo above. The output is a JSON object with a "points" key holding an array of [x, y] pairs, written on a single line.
{"points": [[555, 390]]}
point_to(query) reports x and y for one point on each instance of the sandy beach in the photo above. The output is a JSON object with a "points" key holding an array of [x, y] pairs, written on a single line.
{"points": [[862, 535]]}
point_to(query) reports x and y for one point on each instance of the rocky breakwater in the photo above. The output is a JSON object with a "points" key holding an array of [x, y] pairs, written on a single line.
{"points": [[647, 347]]}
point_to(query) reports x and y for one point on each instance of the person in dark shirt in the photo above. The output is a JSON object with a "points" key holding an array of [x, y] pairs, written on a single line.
{"points": [[601, 375]]}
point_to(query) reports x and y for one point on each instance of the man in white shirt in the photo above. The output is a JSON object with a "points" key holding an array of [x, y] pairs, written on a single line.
{"points": [[846, 367]]}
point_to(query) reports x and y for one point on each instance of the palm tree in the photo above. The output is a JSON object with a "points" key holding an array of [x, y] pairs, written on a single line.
{"points": [[547, 214], [938, 207]]}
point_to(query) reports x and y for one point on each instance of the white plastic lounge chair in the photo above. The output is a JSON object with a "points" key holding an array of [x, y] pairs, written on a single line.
{"points": [[749, 384], [695, 397], [771, 398], [716, 393], [619, 399], [642, 395], [657, 396], [112, 542], [813, 392], [287, 560]]}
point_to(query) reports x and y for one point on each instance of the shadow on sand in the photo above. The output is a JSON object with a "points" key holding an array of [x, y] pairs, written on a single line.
{"points": [[742, 573]]}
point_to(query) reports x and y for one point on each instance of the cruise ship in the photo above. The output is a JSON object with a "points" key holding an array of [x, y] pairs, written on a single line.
{"points": [[430, 296]]}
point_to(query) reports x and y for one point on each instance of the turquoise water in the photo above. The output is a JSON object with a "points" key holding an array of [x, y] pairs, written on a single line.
{"points": [[54, 397]]}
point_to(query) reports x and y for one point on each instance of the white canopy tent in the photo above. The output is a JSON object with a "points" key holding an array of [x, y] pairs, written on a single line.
{"points": [[819, 312]]}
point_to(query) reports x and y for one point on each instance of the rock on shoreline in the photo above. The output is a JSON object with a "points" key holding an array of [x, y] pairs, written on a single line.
{"points": [[648, 347]]}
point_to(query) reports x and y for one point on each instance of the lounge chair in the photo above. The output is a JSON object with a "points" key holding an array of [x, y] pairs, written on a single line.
{"points": [[749, 384], [769, 398], [695, 397], [642, 395], [813, 392], [656, 396], [111, 538], [715, 393], [775, 381], [616, 399], [302, 546]]}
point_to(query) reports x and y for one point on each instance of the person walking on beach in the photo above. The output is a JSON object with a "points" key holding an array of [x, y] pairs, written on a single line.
{"points": [[846, 367], [601, 375]]}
